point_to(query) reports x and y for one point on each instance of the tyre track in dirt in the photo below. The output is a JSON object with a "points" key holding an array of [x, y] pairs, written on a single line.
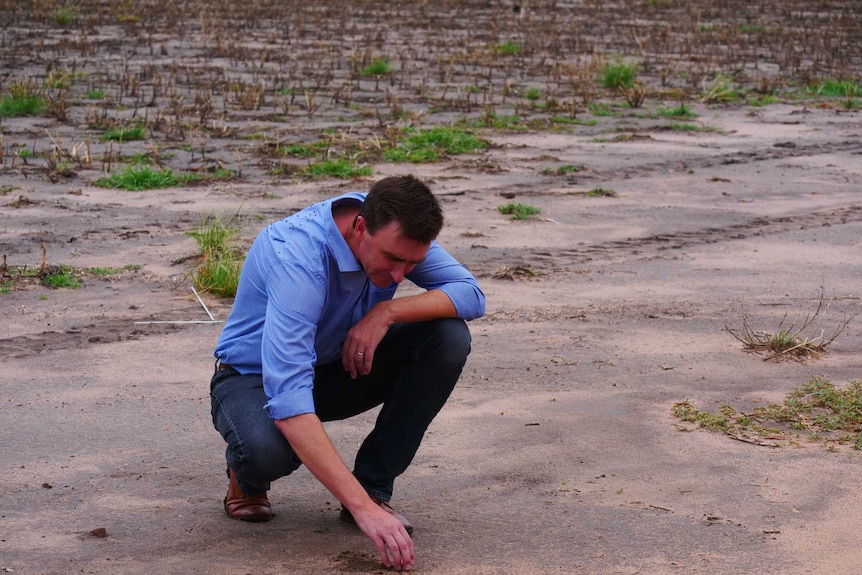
{"points": [[80, 337], [779, 151], [520, 262], [787, 150]]}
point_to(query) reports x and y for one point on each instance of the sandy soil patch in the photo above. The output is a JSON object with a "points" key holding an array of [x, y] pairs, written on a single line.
{"points": [[558, 452]]}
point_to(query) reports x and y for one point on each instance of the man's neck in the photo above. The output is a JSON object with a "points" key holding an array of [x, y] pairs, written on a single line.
{"points": [[344, 216]]}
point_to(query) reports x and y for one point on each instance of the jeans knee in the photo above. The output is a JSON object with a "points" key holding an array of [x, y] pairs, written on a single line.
{"points": [[265, 462], [453, 340]]}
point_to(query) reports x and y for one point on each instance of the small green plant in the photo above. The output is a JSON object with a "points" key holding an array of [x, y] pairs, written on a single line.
{"points": [[5, 189], [684, 127], [139, 159], [6, 287], [567, 120], [61, 277], [137, 178], [681, 111], [64, 17], [532, 93], [338, 168], [518, 211], [619, 75], [563, 170], [601, 110], [94, 94], [23, 99], [125, 134], [105, 271], [817, 411], [508, 48], [221, 259], [304, 150], [422, 146], [377, 67], [838, 89], [719, 90]]}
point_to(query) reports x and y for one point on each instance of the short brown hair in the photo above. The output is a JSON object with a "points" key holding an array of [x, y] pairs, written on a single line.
{"points": [[406, 200]]}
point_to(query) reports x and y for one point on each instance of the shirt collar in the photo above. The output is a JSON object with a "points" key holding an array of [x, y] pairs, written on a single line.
{"points": [[347, 262]]}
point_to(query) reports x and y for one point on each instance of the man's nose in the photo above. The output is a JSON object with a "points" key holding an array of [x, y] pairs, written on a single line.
{"points": [[398, 272]]}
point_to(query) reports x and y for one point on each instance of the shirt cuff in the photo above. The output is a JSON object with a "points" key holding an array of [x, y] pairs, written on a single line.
{"points": [[468, 300], [290, 403]]}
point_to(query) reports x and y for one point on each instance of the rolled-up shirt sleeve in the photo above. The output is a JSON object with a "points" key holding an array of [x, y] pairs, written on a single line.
{"points": [[439, 270], [294, 306]]}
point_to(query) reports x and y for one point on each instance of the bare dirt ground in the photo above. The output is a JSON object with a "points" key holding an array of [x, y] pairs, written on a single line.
{"points": [[558, 452]]}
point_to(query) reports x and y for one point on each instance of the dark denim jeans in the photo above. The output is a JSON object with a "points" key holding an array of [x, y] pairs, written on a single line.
{"points": [[415, 370]]}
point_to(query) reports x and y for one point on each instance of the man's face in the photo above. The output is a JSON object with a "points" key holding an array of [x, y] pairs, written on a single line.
{"points": [[387, 256]]}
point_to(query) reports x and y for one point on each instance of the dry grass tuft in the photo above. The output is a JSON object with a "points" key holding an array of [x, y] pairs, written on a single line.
{"points": [[808, 340]]}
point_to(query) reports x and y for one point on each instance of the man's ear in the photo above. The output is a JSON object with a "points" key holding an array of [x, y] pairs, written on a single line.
{"points": [[359, 225]]}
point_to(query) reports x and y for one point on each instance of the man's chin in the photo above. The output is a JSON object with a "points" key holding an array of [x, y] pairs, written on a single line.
{"points": [[380, 283]]}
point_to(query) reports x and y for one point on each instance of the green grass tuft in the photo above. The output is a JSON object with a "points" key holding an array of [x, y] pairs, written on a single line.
{"points": [[339, 168], [563, 170], [681, 111], [221, 258], [23, 105], [61, 278], [817, 411], [377, 67], [120, 134], [518, 211], [299, 151], [425, 146], [138, 178], [532, 93], [619, 75], [837, 89], [508, 48], [64, 17]]}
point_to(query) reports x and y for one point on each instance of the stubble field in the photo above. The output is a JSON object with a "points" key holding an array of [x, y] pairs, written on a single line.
{"points": [[696, 166]]}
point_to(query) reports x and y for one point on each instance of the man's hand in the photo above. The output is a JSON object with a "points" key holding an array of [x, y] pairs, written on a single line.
{"points": [[312, 445], [357, 353], [394, 545]]}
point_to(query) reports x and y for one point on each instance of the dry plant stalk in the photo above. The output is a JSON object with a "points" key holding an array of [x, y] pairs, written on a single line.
{"points": [[792, 341], [43, 266]]}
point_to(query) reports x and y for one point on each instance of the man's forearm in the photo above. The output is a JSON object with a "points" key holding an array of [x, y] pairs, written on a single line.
{"points": [[312, 445], [432, 304]]}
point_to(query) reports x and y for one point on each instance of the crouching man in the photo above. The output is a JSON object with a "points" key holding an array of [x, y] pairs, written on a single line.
{"points": [[315, 335]]}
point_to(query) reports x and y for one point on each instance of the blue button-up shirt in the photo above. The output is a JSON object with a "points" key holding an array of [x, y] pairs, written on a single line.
{"points": [[300, 292]]}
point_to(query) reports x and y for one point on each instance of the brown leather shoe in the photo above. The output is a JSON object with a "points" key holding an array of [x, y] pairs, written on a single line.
{"points": [[347, 517], [238, 505]]}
